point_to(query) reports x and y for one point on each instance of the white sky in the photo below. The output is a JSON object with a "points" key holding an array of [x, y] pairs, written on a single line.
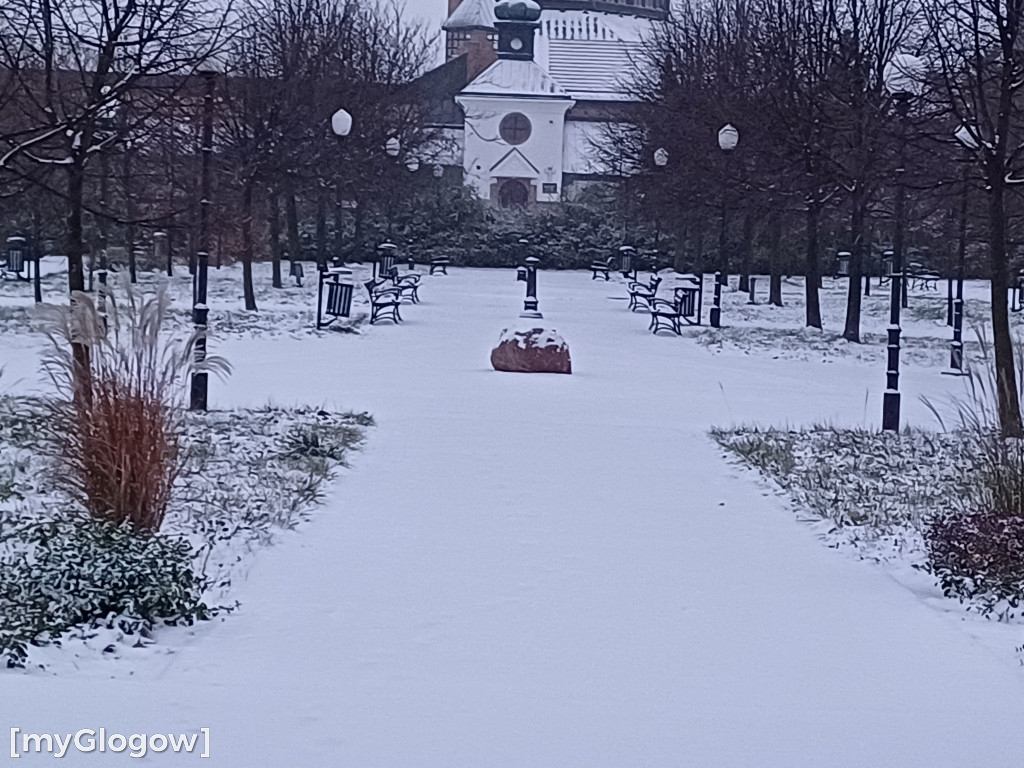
{"points": [[433, 12]]}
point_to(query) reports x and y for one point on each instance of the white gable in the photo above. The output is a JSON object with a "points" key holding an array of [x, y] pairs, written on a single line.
{"points": [[515, 165]]}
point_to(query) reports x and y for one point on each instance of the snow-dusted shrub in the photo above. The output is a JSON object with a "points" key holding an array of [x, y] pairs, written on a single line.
{"points": [[115, 429], [872, 484], [976, 548], [73, 569], [979, 558]]}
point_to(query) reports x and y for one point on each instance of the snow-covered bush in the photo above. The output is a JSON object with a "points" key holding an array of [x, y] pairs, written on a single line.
{"points": [[976, 548], [978, 557], [873, 485], [72, 569]]}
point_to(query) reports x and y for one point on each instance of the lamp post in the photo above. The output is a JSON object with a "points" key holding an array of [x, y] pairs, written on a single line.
{"points": [[728, 138], [902, 78], [200, 312], [341, 126]]}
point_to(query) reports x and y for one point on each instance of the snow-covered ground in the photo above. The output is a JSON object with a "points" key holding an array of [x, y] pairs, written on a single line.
{"points": [[559, 570]]}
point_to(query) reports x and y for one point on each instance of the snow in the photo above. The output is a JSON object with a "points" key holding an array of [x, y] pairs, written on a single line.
{"points": [[533, 336], [559, 571]]}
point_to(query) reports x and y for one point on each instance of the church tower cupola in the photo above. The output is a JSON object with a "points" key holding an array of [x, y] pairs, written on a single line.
{"points": [[517, 21], [470, 30]]}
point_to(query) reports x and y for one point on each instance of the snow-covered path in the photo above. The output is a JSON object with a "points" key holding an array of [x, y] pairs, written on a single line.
{"points": [[558, 571]]}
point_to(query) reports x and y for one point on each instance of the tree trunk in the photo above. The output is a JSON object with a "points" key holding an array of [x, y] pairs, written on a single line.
{"points": [[811, 271], [76, 270], [247, 247], [129, 202], [339, 224], [1006, 375], [357, 236], [700, 262], [321, 229], [274, 222], [746, 257], [291, 212], [851, 332], [775, 260]]}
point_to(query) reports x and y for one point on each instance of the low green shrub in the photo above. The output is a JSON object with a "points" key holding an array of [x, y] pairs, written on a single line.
{"points": [[73, 569]]}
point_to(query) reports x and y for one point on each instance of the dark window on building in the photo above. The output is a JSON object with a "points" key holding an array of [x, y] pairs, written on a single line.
{"points": [[456, 40], [515, 128]]}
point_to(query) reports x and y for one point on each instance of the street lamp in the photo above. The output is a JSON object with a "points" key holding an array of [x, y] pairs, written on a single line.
{"points": [[728, 138], [902, 78], [341, 126], [200, 312], [661, 157]]}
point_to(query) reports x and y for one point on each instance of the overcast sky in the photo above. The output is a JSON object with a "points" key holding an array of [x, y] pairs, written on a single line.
{"points": [[432, 11]]}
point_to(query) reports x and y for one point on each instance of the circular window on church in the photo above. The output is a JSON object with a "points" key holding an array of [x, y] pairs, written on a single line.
{"points": [[515, 128]]}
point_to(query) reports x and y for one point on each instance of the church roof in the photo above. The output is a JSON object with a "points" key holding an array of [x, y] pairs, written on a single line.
{"points": [[594, 69], [471, 14], [512, 77]]}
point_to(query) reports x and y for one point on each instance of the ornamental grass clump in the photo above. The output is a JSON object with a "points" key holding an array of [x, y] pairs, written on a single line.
{"points": [[115, 428]]}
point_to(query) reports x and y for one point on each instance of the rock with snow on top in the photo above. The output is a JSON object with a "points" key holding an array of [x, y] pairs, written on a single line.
{"points": [[531, 350]]}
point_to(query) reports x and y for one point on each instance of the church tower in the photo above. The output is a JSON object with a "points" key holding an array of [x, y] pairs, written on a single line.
{"points": [[470, 31]]}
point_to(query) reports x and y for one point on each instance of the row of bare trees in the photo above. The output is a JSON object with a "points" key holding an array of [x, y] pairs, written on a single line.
{"points": [[824, 141], [100, 116]]}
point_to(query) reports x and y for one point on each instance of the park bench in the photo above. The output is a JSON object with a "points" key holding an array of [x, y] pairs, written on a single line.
{"points": [[440, 264], [384, 301], [601, 269], [684, 306], [641, 294], [406, 285], [922, 278]]}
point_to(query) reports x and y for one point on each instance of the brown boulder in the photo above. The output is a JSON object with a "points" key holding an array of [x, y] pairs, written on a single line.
{"points": [[532, 350]]}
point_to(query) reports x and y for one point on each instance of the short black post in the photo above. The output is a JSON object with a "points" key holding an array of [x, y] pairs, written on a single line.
{"points": [[949, 300], [716, 308], [321, 276], [753, 291], [530, 303], [37, 279], [956, 349]]}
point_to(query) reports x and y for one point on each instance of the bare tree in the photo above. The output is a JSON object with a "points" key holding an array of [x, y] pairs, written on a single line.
{"points": [[76, 61], [976, 48]]}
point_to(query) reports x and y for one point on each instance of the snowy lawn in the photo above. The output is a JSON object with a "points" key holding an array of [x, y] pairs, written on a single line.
{"points": [[560, 570]]}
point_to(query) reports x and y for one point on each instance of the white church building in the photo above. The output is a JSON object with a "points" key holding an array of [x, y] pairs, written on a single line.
{"points": [[535, 86]]}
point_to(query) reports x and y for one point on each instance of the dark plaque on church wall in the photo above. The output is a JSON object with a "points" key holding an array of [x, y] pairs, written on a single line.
{"points": [[549, 189]]}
